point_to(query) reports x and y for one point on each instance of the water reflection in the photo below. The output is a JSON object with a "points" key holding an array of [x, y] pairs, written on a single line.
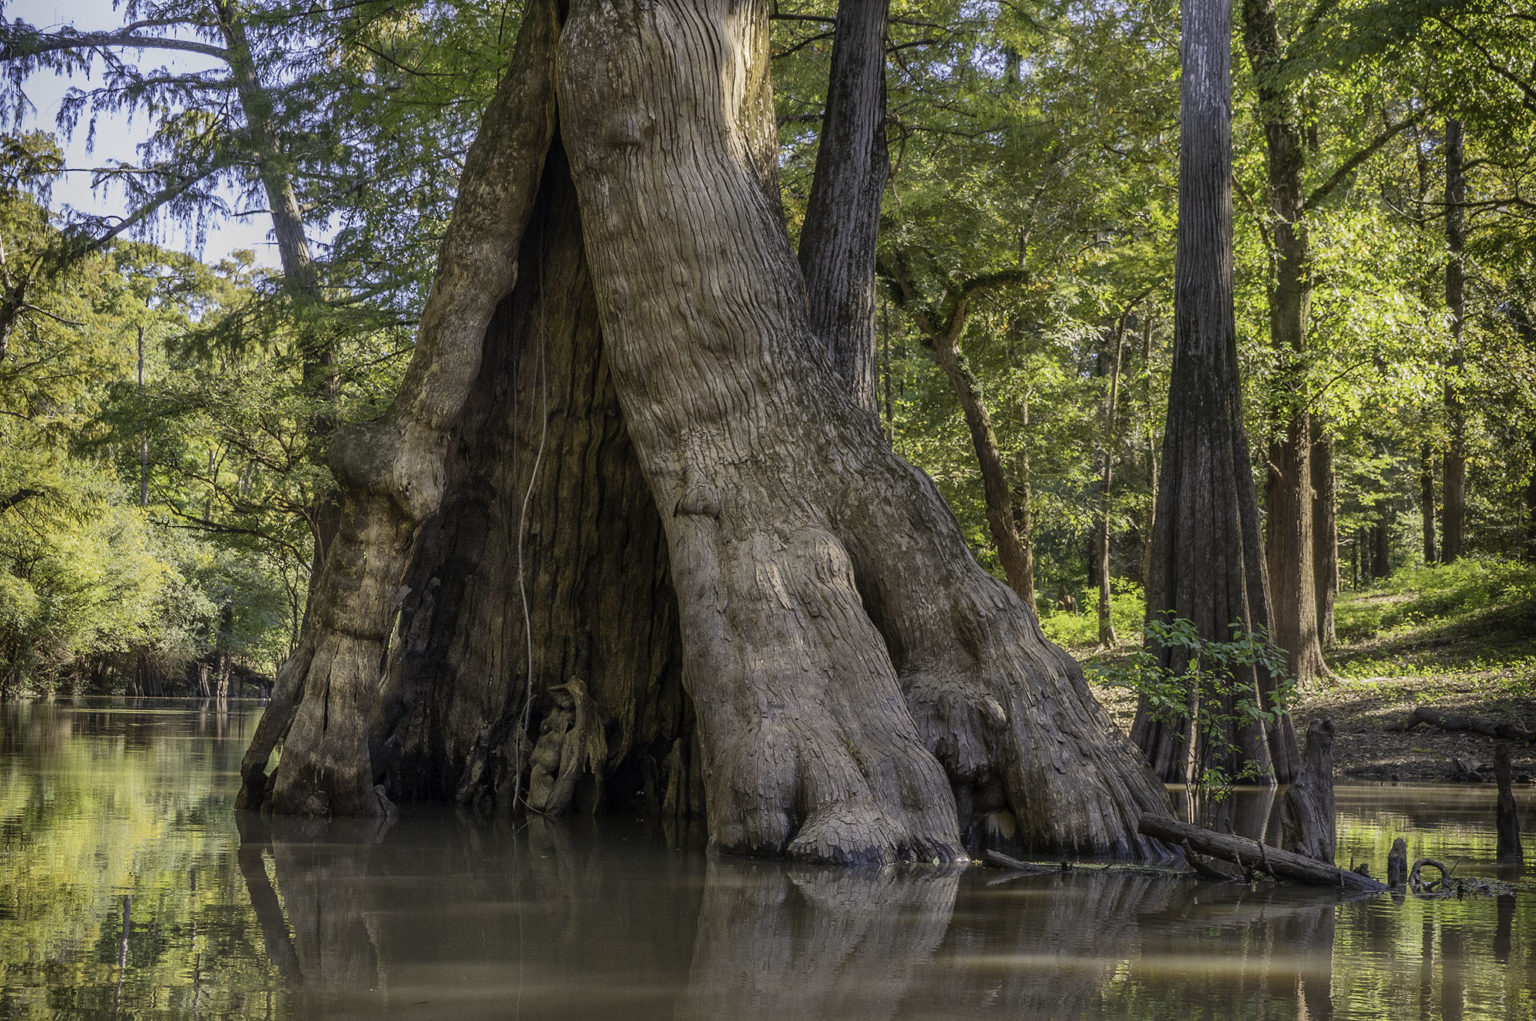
{"points": [[128, 886]]}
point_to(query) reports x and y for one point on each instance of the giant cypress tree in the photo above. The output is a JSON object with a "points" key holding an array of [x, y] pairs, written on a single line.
{"points": [[1207, 544], [624, 527]]}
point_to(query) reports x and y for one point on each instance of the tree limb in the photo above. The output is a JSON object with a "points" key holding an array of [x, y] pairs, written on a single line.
{"points": [[1350, 165]]}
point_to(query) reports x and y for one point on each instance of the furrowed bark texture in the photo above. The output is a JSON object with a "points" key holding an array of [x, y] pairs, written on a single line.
{"points": [[1207, 558], [860, 690], [819, 578], [391, 472], [842, 218]]}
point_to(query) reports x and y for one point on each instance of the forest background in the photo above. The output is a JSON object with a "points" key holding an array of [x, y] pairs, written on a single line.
{"points": [[163, 417]]}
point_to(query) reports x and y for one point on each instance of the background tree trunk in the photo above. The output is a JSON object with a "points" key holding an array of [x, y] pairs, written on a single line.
{"points": [[842, 218], [1106, 487], [1023, 516], [1454, 483], [1427, 501], [1207, 563], [1325, 526], [941, 335], [1289, 526]]}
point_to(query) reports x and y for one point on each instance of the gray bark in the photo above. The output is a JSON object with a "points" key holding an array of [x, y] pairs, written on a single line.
{"points": [[1307, 814], [862, 691], [1207, 559], [842, 218], [1260, 858], [809, 605]]}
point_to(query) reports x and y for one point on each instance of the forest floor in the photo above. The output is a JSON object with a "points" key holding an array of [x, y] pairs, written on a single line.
{"points": [[1458, 639]]}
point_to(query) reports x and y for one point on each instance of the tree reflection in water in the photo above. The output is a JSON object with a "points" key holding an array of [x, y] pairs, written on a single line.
{"points": [[124, 887], [564, 920]]}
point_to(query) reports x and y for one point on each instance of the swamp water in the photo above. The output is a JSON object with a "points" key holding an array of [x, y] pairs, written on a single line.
{"points": [[128, 887]]}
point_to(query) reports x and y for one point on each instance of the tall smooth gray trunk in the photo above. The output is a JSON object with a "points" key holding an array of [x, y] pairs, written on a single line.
{"points": [[1207, 559]]}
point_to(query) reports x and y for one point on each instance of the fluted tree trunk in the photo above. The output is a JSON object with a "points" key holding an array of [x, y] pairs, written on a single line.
{"points": [[1207, 556], [854, 687]]}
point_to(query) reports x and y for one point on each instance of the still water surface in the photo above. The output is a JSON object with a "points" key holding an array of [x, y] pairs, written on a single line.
{"points": [[128, 887]]}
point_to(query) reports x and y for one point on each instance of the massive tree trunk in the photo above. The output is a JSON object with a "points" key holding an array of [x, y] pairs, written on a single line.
{"points": [[861, 690], [1454, 484], [1207, 563], [837, 243], [1288, 491]]}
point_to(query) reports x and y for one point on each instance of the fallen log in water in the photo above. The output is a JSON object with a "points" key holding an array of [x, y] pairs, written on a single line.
{"points": [[1254, 856], [1472, 724]]}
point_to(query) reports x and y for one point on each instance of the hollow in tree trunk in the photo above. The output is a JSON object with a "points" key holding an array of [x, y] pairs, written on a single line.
{"points": [[857, 688], [1207, 559]]}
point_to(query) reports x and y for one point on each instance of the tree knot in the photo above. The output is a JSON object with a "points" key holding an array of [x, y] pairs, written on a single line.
{"points": [[699, 496]]}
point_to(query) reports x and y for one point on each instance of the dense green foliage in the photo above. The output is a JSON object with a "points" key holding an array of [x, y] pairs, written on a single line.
{"points": [[1030, 205]]}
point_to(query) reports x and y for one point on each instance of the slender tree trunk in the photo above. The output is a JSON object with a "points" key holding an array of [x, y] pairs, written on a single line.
{"points": [[1106, 487], [1023, 517], [1519, 312], [1325, 560], [862, 690], [1381, 545], [1149, 511], [1208, 564], [1427, 500], [1289, 526], [1018, 564], [1454, 483], [842, 218], [301, 277], [144, 436]]}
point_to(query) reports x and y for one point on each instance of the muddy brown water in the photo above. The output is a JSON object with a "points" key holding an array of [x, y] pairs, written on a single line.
{"points": [[129, 887]]}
